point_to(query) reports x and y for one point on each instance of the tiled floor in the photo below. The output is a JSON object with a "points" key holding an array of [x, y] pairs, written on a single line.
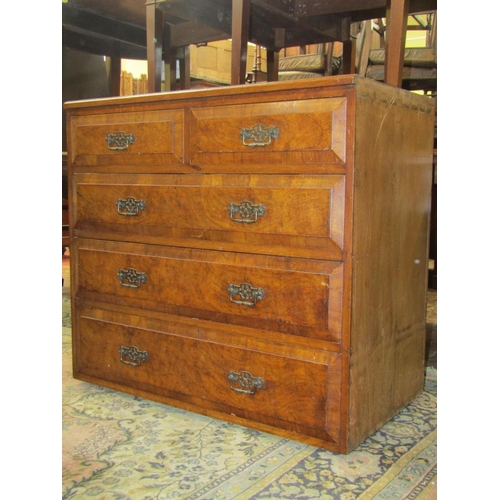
{"points": [[431, 323]]}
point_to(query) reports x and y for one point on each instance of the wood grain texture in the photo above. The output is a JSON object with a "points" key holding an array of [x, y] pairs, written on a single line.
{"points": [[158, 140], [391, 201], [197, 368], [195, 283], [295, 379], [303, 215], [308, 132], [340, 253]]}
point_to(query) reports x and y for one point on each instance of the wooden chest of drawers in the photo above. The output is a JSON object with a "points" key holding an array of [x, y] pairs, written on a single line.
{"points": [[255, 253]]}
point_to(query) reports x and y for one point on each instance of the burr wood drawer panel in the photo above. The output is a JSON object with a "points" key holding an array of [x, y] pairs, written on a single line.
{"points": [[250, 137], [241, 381], [295, 296], [293, 215], [132, 141]]}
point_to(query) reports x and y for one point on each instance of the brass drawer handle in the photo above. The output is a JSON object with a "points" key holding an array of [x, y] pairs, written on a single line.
{"points": [[135, 357], [245, 382], [245, 212], [131, 276], [248, 294], [130, 206], [260, 135], [120, 141]]}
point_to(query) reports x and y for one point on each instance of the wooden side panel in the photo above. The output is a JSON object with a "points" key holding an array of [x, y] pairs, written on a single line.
{"points": [[392, 188]]}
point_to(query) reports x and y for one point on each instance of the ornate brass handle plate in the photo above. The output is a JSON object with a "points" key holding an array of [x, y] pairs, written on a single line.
{"points": [[130, 206], [260, 135], [132, 356], [245, 382], [248, 295], [245, 212], [119, 141], [130, 278]]}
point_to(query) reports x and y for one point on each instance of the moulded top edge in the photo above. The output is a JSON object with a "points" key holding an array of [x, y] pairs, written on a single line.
{"points": [[320, 82]]}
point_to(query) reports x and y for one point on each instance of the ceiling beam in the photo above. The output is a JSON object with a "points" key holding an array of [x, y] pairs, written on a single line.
{"points": [[82, 20]]}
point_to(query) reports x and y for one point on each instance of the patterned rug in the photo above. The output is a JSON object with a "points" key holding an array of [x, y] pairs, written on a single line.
{"points": [[117, 446]]}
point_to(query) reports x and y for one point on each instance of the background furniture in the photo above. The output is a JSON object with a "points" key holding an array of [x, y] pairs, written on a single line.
{"points": [[419, 73], [321, 62], [255, 253], [274, 25], [162, 30], [419, 70]]}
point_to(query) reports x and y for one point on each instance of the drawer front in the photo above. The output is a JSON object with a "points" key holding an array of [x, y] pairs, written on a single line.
{"points": [[299, 216], [247, 382], [241, 289], [140, 141], [295, 135]]}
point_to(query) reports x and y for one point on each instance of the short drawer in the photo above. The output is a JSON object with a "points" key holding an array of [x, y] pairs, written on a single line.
{"points": [[299, 136], [289, 215], [241, 381], [134, 141], [287, 295]]}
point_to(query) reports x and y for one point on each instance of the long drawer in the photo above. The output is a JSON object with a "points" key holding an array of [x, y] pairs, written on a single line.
{"points": [[290, 215], [142, 141], [257, 137], [285, 295], [251, 383]]}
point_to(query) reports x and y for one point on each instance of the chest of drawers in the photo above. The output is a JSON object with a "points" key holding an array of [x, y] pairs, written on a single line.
{"points": [[255, 253]]}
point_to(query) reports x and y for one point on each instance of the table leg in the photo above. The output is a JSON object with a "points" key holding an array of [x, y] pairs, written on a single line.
{"points": [[240, 32], [397, 20], [154, 32]]}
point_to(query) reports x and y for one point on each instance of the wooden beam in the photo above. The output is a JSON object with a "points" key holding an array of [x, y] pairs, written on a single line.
{"points": [[366, 44], [348, 57], [192, 33], [154, 30], [100, 45], [349, 51], [273, 58], [303, 8], [240, 32], [397, 20], [170, 59], [185, 70], [95, 24], [432, 36], [115, 69]]}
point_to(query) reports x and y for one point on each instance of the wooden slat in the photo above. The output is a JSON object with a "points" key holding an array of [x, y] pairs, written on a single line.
{"points": [[97, 24], [115, 70], [154, 47], [240, 32], [272, 58], [99, 45], [184, 63], [365, 48], [397, 15]]}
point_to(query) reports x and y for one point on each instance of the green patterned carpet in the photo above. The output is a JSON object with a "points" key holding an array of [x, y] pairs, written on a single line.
{"points": [[117, 446]]}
